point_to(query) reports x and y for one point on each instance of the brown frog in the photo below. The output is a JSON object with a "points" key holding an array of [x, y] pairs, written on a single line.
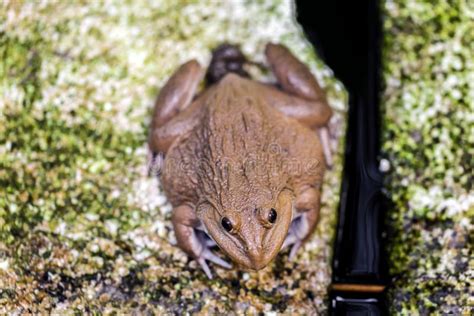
{"points": [[243, 160]]}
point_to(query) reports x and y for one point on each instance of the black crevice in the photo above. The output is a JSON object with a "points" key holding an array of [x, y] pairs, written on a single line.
{"points": [[347, 35]]}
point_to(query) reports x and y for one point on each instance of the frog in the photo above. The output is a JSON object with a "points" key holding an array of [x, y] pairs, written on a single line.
{"points": [[242, 161]]}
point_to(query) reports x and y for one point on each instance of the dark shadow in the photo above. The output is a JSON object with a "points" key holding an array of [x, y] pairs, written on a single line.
{"points": [[347, 36]]}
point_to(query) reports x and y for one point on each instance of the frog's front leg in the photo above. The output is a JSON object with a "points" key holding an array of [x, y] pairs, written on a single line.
{"points": [[173, 110], [190, 240], [309, 104], [307, 204]]}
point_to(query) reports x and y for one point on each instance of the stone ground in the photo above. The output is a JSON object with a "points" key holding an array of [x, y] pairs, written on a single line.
{"points": [[429, 146], [82, 228]]}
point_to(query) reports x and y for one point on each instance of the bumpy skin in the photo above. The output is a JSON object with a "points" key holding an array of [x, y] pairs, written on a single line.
{"points": [[238, 150]]}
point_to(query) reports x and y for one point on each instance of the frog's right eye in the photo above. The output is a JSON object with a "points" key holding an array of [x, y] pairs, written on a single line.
{"points": [[226, 223], [272, 216]]}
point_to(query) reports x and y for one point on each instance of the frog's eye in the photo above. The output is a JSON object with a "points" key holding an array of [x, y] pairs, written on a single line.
{"points": [[272, 216], [226, 223]]}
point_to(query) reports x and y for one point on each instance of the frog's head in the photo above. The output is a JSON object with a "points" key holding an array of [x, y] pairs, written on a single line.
{"points": [[253, 235]]}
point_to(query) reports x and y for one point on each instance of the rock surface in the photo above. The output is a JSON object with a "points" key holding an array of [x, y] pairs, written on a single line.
{"points": [[82, 228], [429, 143]]}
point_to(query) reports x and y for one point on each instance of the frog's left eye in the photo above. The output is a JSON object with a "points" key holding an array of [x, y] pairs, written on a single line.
{"points": [[272, 216], [226, 223]]}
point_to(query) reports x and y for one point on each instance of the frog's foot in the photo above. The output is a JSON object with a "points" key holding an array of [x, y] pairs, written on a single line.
{"points": [[212, 257], [297, 233], [198, 246], [207, 254], [154, 163], [307, 210], [194, 241]]}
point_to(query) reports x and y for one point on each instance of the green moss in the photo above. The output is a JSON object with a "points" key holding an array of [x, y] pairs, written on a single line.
{"points": [[83, 229], [428, 104]]}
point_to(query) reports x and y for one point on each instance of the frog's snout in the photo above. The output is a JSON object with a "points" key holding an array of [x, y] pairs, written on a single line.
{"points": [[256, 258]]}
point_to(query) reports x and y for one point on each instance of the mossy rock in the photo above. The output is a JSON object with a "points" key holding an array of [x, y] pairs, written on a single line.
{"points": [[82, 227], [429, 142]]}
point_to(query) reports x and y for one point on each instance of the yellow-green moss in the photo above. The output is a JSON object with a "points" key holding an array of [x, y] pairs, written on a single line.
{"points": [[82, 228], [429, 141]]}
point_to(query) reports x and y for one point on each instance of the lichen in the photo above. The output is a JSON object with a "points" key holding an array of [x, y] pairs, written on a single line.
{"points": [[82, 227], [429, 142]]}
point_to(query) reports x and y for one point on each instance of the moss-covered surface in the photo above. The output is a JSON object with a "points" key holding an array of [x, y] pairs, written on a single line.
{"points": [[429, 140], [82, 228]]}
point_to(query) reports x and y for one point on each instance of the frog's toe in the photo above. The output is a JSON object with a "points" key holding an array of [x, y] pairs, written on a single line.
{"points": [[204, 267], [289, 240], [295, 242], [300, 228], [294, 249], [325, 143], [202, 252], [210, 243], [209, 255], [154, 163]]}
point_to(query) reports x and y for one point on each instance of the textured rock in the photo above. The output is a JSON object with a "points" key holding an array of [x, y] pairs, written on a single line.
{"points": [[82, 228], [429, 142]]}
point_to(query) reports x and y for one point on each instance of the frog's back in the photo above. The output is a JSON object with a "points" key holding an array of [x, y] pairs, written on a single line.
{"points": [[242, 145]]}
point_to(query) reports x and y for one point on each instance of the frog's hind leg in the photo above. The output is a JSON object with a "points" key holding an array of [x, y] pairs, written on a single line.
{"points": [[174, 98], [309, 104], [177, 93], [191, 241]]}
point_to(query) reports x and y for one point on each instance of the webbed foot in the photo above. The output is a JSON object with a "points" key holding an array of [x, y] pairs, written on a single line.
{"points": [[193, 241], [296, 235], [307, 207], [207, 254]]}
